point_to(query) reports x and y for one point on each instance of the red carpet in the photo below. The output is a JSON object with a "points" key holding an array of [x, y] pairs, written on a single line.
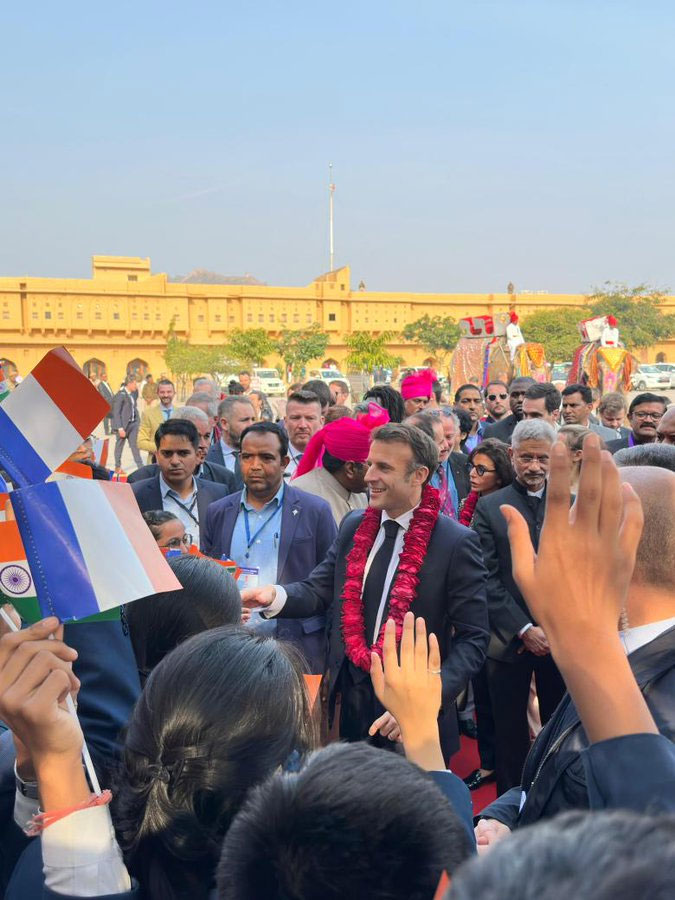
{"points": [[463, 763]]}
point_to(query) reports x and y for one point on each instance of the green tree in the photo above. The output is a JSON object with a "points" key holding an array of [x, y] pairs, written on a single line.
{"points": [[249, 347], [637, 310], [297, 348], [556, 330], [186, 360], [368, 352], [436, 334]]}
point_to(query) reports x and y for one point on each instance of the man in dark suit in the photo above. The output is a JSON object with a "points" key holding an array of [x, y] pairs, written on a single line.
{"points": [[235, 414], [275, 531], [175, 488], [125, 421], [451, 478], [556, 757], [518, 646], [450, 593], [644, 414], [503, 429], [209, 471], [105, 391]]}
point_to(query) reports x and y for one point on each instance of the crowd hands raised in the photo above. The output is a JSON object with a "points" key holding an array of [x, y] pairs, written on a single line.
{"points": [[219, 790]]}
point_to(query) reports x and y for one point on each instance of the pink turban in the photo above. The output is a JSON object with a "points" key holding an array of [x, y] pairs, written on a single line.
{"points": [[375, 416], [419, 385], [344, 439]]}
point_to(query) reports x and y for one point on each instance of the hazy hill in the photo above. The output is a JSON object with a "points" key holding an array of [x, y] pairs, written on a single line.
{"points": [[203, 276]]}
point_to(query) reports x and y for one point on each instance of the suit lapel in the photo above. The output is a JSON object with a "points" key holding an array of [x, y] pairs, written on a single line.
{"points": [[230, 513], [290, 516]]}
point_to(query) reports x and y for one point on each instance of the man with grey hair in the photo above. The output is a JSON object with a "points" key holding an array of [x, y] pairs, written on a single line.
{"points": [[208, 470], [662, 456], [235, 413], [206, 403], [518, 646]]}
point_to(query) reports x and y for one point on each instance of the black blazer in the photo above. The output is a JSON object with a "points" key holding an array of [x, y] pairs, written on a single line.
{"points": [[618, 444], [459, 467], [106, 392], [507, 609], [450, 597], [215, 455], [554, 777], [501, 430], [149, 496], [209, 471], [122, 410]]}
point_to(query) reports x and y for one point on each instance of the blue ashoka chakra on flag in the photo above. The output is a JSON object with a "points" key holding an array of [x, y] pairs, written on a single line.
{"points": [[15, 579]]}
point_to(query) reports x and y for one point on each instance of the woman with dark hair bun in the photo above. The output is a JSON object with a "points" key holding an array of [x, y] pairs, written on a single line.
{"points": [[218, 715], [160, 622], [489, 470]]}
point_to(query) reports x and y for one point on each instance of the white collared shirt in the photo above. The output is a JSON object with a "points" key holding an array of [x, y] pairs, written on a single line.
{"points": [[179, 506], [294, 457], [404, 523], [634, 638]]}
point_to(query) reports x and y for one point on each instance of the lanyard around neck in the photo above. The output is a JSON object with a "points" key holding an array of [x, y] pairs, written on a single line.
{"points": [[187, 509], [250, 540]]}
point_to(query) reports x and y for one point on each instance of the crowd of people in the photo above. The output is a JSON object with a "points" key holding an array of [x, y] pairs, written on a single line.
{"points": [[496, 567]]}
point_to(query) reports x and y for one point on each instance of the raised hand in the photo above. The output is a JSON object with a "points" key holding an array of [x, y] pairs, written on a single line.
{"points": [[411, 690], [576, 587], [578, 579], [35, 677]]}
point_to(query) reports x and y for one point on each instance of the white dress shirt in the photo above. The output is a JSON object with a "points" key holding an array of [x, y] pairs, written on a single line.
{"points": [[294, 457], [404, 521], [179, 506]]}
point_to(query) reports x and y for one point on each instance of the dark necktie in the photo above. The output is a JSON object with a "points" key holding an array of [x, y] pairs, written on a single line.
{"points": [[374, 585]]}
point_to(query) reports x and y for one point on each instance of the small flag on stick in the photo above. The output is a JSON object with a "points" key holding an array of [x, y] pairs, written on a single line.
{"points": [[47, 417], [88, 548], [4, 387]]}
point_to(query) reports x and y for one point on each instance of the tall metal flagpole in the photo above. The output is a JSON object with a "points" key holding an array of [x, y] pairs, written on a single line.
{"points": [[331, 191]]}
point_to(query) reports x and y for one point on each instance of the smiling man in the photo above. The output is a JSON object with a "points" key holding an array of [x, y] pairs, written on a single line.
{"points": [[401, 525], [175, 488], [644, 417], [275, 532]]}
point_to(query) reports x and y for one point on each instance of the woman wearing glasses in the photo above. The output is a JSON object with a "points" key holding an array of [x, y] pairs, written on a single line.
{"points": [[168, 530], [489, 470]]}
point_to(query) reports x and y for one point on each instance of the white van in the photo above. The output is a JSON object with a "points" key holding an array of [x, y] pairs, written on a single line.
{"points": [[268, 381]]}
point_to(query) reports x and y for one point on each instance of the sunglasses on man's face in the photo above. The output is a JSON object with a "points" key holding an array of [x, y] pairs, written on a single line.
{"points": [[494, 397]]}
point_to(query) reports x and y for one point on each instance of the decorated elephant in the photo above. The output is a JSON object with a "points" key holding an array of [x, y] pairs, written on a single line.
{"points": [[492, 348], [601, 361]]}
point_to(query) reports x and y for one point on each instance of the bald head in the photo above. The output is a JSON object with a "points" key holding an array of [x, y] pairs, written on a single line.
{"points": [[665, 432], [656, 551]]}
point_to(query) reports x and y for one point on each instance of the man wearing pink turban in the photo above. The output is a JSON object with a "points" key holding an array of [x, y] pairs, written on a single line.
{"points": [[417, 390], [333, 465]]}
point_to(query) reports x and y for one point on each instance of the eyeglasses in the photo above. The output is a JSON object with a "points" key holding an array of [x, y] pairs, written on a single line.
{"points": [[175, 543], [648, 415], [495, 396], [480, 469]]}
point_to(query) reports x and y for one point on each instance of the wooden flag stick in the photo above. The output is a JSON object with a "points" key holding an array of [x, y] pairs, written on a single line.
{"points": [[86, 756]]}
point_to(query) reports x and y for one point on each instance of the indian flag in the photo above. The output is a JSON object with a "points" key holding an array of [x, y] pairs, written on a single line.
{"points": [[16, 580], [4, 387]]}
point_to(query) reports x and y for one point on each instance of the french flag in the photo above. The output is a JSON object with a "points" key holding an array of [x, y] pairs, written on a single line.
{"points": [[88, 547], [46, 417]]}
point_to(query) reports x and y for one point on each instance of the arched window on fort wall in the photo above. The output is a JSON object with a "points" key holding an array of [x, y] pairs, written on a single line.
{"points": [[9, 367], [138, 367], [661, 357], [94, 367]]}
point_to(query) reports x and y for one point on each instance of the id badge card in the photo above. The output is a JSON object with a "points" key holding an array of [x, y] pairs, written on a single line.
{"points": [[248, 577]]}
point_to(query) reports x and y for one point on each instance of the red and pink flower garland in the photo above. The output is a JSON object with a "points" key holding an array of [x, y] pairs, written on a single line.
{"points": [[406, 580]]}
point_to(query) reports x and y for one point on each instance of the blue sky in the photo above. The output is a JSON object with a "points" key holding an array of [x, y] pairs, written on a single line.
{"points": [[473, 143]]}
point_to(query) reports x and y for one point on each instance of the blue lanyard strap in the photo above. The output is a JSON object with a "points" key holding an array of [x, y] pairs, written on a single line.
{"points": [[276, 512]]}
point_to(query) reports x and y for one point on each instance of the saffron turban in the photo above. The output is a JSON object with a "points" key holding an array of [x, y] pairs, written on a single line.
{"points": [[345, 439], [418, 385]]}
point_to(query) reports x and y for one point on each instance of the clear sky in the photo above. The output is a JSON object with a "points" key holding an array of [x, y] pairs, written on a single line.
{"points": [[474, 143]]}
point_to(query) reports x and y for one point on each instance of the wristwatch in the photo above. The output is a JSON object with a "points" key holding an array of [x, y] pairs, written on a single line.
{"points": [[27, 789]]}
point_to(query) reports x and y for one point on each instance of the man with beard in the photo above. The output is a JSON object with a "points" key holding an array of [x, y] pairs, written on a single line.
{"points": [[503, 429], [302, 421]]}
